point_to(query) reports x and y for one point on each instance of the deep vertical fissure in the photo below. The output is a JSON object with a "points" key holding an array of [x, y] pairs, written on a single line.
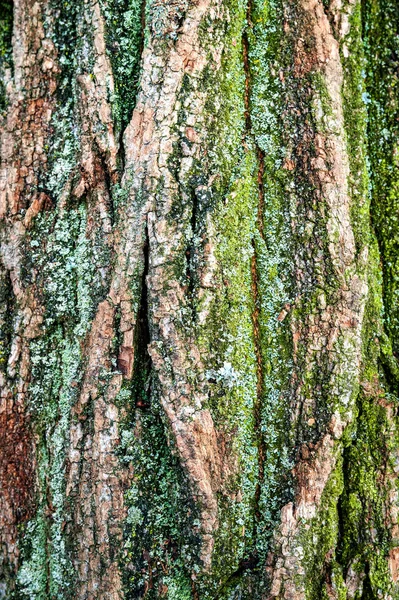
{"points": [[142, 359], [109, 178], [7, 307], [341, 521], [367, 593]]}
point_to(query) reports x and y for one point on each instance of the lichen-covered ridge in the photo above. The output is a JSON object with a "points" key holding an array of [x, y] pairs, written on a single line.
{"points": [[198, 300]]}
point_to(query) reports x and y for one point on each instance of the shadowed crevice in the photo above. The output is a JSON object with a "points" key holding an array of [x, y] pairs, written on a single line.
{"points": [[191, 255], [142, 360]]}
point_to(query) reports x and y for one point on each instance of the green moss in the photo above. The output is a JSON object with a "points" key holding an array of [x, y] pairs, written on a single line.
{"points": [[290, 197], [354, 97], [247, 519], [227, 334], [124, 21], [231, 370], [349, 537], [380, 427], [225, 338], [381, 32], [273, 251], [353, 530], [6, 8], [6, 22], [365, 538], [319, 538], [274, 270]]}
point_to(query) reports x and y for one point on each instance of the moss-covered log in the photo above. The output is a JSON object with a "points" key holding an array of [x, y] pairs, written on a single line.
{"points": [[199, 292]]}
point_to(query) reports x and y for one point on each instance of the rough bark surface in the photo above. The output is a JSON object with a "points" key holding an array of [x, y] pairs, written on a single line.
{"points": [[198, 299]]}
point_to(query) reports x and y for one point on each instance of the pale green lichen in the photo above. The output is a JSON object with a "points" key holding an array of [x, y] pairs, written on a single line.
{"points": [[71, 268], [69, 282], [47, 569], [159, 544]]}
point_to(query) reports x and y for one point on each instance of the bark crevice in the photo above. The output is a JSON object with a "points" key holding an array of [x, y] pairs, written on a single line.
{"points": [[142, 368]]}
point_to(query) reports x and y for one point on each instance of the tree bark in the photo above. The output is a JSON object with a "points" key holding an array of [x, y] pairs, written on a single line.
{"points": [[199, 285]]}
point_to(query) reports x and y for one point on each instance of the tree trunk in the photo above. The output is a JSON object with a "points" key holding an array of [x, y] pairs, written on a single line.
{"points": [[199, 299]]}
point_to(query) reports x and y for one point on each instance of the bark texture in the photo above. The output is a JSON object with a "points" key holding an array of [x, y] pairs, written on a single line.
{"points": [[199, 286]]}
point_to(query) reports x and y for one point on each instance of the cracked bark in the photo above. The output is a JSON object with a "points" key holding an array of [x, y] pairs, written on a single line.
{"points": [[198, 358]]}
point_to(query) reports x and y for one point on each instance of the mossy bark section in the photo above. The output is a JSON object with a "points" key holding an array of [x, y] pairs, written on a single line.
{"points": [[198, 323]]}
